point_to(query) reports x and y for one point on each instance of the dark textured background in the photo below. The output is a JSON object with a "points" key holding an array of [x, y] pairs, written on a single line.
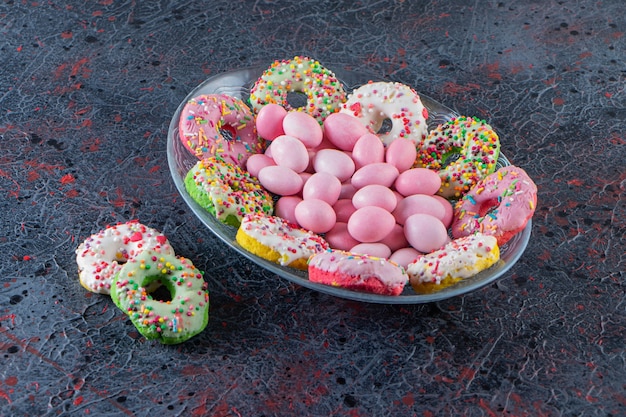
{"points": [[87, 90]]}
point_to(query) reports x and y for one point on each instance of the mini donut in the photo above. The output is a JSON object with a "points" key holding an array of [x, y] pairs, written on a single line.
{"points": [[172, 321], [499, 205], [219, 125], [375, 102], [322, 89], [470, 139], [459, 259], [102, 254], [276, 240], [357, 272], [226, 191]]}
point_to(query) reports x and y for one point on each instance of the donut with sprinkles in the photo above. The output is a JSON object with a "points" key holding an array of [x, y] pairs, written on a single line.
{"points": [[472, 142], [167, 321], [323, 91], [499, 205], [219, 125], [226, 191]]}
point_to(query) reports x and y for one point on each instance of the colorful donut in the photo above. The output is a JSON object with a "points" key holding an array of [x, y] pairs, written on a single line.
{"points": [[475, 144], [459, 259], [375, 102], [226, 191], [323, 90], [357, 272], [219, 125], [499, 205], [276, 240], [102, 255], [172, 321]]}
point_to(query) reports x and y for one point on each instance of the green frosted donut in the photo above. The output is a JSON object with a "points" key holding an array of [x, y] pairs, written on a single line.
{"points": [[169, 322], [226, 191]]}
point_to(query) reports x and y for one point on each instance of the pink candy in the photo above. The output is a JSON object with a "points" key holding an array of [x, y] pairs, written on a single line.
{"points": [[340, 180]]}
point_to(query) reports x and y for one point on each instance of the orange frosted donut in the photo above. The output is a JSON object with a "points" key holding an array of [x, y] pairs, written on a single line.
{"points": [[500, 205], [219, 125]]}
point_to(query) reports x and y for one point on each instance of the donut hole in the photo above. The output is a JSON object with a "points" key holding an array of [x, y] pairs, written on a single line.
{"points": [[487, 207], [159, 292], [450, 157], [296, 99], [385, 126], [228, 132]]}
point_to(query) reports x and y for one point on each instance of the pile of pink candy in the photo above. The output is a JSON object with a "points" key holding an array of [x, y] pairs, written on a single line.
{"points": [[338, 179]]}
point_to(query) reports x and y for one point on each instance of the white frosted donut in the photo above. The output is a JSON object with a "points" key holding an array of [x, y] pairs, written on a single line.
{"points": [[102, 255], [375, 102]]}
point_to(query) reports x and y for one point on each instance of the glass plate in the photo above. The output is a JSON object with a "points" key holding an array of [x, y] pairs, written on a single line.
{"points": [[238, 83]]}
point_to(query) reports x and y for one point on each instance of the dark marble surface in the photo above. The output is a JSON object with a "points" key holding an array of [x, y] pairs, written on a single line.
{"points": [[87, 90]]}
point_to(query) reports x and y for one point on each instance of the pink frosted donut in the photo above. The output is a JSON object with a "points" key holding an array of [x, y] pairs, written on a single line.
{"points": [[375, 102], [499, 205], [357, 272], [219, 125], [101, 256]]}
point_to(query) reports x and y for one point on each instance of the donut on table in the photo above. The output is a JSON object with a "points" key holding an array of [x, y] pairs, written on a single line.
{"points": [[219, 125], [226, 191], [375, 102], [475, 144], [102, 255], [499, 205], [459, 259], [323, 91], [357, 272], [275, 239], [172, 321]]}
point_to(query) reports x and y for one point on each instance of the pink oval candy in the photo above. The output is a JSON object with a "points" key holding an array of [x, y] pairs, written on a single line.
{"points": [[405, 256], [395, 239], [370, 224], [347, 190], [323, 186], [425, 233], [343, 130], [257, 162], [375, 195], [377, 173], [448, 209], [418, 203], [334, 162], [418, 181], [315, 215], [290, 152], [401, 153], [368, 149], [304, 127], [280, 180], [285, 207], [379, 250], [339, 238], [269, 121], [344, 209]]}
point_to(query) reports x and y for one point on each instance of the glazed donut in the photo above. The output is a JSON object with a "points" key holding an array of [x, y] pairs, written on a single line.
{"points": [[323, 90], [473, 141], [357, 272], [102, 255], [219, 125], [459, 259], [172, 321], [226, 191], [274, 239], [375, 102], [499, 205]]}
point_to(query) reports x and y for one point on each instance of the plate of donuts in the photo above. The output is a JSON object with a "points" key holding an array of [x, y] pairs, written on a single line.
{"points": [[239, 84]]}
